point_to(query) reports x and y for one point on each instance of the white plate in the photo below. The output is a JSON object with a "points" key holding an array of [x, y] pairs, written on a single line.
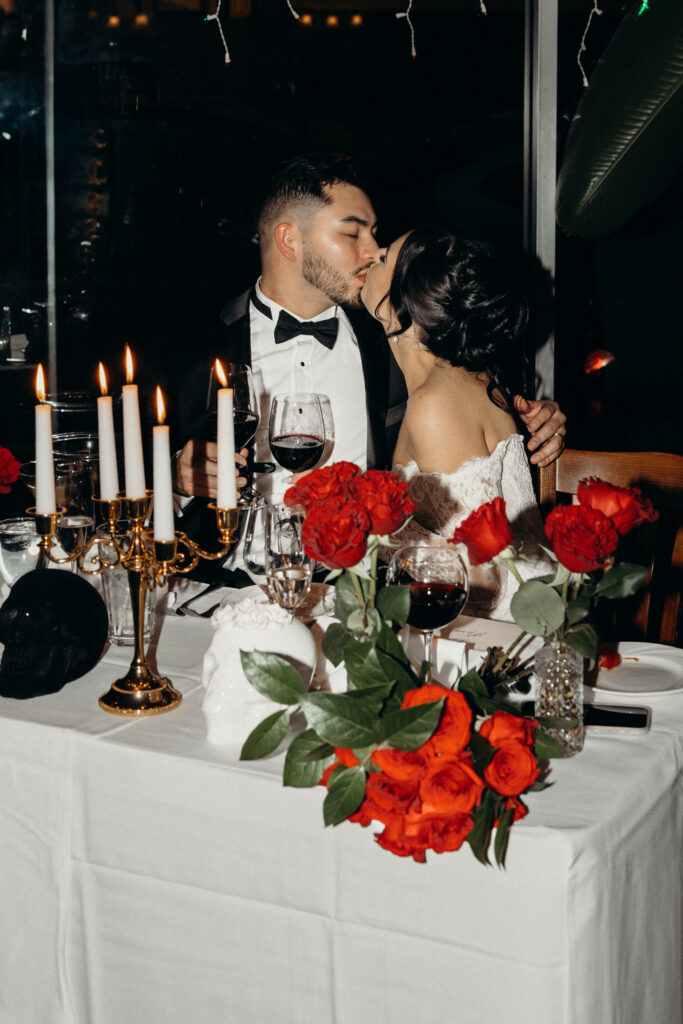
{"points": [[651, 669]]}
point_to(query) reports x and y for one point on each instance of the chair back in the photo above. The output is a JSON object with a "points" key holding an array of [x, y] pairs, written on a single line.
{"points": [[652, 614]]}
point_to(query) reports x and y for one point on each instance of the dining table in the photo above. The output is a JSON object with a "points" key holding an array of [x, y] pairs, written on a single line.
{"points": [[148, 876]]}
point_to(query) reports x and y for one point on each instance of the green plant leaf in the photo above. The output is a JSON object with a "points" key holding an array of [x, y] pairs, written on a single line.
{"points": [[546, 746], [399, 671], [307, 758], [388, 642], [409, 728], [537, 608], [345, 598], [500, 844], [472, 683], [479, 836], [335, 639], [578, 608], [372, 697], [394, 603], [583, 639], [482, 752], [266, 737], [340, 719], [622, 580], [272, 676], [363, 665], [345, 795]]}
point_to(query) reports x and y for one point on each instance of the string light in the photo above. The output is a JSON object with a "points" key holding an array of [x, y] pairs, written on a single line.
{"points": [[582, 49], [406, 14], [216, 17], [645, 6]]}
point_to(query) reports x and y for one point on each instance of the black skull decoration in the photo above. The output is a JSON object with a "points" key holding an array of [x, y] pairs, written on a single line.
{"points": [[54, 626]]}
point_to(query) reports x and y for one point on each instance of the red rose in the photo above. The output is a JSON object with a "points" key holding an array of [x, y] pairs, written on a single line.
{"points": [[386, 800], [9, 470], [409, 836], [346, 757], [450, 787], [502, 728], [335, 533], [386, 499], [453, 733], [582, 538], [511, 770], [485, 532], [520, 810], [450, 833], [322, 484], [401, 765], [625, 506]]}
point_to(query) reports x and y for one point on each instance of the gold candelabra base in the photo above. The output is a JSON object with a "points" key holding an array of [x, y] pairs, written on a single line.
{"points": [[148, 563]]}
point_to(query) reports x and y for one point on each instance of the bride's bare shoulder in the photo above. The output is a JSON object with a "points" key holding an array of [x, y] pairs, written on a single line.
{"points": [[442, 433]]}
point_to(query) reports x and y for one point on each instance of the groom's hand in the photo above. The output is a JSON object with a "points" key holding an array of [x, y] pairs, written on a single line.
{"points": [[195, 469], [546, 423]]}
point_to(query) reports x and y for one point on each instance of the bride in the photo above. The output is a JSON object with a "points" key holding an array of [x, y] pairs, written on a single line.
{"points": [[456, 331]]}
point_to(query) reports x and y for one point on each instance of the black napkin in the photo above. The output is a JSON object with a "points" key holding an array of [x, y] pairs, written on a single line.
{"points": [[54, 625]]}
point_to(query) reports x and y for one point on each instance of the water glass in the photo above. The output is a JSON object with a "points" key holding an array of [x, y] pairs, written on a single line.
{"points": [[18, 547], [116, 591]]}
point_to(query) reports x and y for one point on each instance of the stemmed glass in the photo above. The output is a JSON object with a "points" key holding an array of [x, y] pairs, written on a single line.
{"points": [[296, 431], [438, 582], [245, 410], [288, 568]]}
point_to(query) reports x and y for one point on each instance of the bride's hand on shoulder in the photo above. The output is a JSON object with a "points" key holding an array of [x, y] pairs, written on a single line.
{"points": [[546, 423]]}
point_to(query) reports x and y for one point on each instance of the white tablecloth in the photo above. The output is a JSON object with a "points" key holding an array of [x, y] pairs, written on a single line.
{"points": [[146, 876]]}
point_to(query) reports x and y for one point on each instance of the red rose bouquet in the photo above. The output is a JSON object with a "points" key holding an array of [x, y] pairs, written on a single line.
{"points": [[434, 768], [584, 540]]}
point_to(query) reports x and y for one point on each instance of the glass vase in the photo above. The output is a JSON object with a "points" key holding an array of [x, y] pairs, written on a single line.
{"points": [[559, 691]]}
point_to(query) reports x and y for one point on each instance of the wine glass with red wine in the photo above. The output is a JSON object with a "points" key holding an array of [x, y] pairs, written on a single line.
{"points": [[297, 431], [245, 413], [438, 582]]}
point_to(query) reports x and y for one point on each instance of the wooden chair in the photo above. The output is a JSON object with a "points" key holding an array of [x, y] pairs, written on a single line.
{"points": [[653, 614]]}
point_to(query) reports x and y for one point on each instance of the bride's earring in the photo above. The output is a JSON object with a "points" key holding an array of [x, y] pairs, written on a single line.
{"points": [[393, 338]]}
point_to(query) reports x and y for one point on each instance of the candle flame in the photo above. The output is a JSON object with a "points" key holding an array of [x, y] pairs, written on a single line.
{"points": [[40, 383], [129, 365], [103, 378], [220, 373], [161, 408]]}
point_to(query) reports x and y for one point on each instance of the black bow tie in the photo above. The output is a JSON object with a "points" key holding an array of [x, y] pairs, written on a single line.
{"points": [[324, 331]]}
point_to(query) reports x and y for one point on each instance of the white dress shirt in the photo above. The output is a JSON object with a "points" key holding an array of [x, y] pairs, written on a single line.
{"points": [[304, 364]]}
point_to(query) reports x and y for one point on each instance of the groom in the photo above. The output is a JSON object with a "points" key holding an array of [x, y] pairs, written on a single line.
{"points": [[302, 328]]}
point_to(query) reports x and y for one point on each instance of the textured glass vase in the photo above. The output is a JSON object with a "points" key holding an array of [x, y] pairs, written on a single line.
{"points": [[559, 691]]}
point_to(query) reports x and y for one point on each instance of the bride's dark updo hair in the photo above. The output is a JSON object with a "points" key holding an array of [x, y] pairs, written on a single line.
{"points": [[453, 289]]}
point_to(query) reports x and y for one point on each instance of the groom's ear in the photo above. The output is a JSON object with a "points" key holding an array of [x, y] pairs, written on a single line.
{"points": [[288, 240]]}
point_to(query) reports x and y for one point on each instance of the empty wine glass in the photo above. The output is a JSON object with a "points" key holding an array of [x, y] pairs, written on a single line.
{"points": [[296, 431], [254, 549], [19, 547], [438, 582], [288, 568]]}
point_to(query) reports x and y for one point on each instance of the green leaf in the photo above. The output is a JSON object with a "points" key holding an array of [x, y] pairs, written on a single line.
{"points": [[398, 671], [335, 639], [583, 639], [394, 603], [546, 746], [388, 642], [622, 580], [355, 621], [500, 844], [372, 697], [345, 598], [340, 719], [307, 758], [272, 676], [578, 609], [266, 737], [409, 728], [479, 836], [363, 665], [537, 608], [482, 752], [472, 683], [345, 795]]}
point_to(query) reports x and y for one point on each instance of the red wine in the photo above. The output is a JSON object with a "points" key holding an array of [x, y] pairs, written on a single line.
{"points": [[245, 423], [435, 604], [297, 451]]}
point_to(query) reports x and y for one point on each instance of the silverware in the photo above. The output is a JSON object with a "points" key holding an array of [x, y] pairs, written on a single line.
{"points": [[206, 614], [184, 608]]}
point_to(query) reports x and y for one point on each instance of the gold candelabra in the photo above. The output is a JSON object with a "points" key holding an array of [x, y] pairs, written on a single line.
{"points": [[148, 563]]}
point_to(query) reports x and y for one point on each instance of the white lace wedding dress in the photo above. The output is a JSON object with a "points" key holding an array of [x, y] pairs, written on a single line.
{"points": [[444, 500]]}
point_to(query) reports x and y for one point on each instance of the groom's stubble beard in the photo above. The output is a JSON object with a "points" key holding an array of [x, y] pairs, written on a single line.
{"points": [[328, 280]]}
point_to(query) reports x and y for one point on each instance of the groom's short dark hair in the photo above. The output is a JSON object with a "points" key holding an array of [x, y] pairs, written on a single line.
{"points": [[303, 180]]}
